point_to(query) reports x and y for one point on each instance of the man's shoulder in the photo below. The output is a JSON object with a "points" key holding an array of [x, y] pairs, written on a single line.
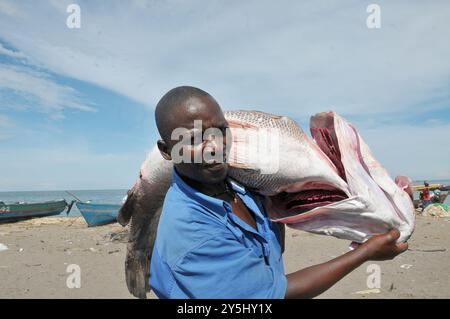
{"points": [[184, 224], [179, 208]]}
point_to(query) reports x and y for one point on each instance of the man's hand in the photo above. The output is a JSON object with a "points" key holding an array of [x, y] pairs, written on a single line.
{"points": [[384, 246], [314, 280]]}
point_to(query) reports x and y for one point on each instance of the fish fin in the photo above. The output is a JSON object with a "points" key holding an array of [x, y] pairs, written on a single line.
{"points": [[126, 211], [141, 240], [137, 261], [405, 184], [136, 274]]}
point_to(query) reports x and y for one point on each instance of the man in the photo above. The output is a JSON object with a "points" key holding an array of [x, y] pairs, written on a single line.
{"points": [[426, 197], [214, 238]]}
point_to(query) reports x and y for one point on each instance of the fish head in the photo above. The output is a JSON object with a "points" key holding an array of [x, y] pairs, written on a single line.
{"points": [[374, 203], [328, 183]]}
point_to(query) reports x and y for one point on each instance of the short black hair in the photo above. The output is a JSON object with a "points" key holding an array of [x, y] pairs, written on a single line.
{"points": [[169, 103]]}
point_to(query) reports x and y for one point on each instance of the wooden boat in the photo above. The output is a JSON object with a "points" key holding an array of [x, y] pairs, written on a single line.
{"points": [[431, 187], [20, 211], [98, 214]]}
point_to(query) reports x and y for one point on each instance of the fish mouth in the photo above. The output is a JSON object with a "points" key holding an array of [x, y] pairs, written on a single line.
{"points": [[324, 134], [287, 204]]}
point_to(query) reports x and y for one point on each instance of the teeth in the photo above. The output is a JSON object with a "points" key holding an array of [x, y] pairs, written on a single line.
{"points": [[310, 197]]}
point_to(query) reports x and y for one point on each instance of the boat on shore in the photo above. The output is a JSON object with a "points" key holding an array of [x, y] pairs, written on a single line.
{"points": [[431, 187], [20, 211], [438, 198], [98, 214]]}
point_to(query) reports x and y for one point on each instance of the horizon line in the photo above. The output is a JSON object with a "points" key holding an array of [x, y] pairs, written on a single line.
{"points": [[127, 188]]}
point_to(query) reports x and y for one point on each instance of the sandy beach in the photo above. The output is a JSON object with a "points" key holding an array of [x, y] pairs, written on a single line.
{"points": [[40, 251]]}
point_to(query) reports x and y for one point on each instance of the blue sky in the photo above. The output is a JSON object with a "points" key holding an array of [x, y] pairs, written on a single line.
{"points": [[76, 105]]}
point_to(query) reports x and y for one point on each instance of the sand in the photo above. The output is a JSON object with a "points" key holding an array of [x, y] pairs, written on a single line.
{"points": [[40, 251]]}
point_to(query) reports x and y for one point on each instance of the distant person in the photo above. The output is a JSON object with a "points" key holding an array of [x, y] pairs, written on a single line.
{"points": [[426, 197]]}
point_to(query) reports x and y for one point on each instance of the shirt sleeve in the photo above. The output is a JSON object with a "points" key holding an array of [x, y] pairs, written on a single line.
{"points": [[221, 267]]}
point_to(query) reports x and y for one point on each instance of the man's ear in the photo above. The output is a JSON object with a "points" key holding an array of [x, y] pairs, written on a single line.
{"points": [[164, 150]]}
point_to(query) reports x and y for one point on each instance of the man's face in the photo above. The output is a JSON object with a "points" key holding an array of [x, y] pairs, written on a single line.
{"points": [[204, 141]]}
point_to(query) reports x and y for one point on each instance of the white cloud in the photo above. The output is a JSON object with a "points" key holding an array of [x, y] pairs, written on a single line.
{"points": [[10, 53], [295, 57], [8, 7], [40, 91]]}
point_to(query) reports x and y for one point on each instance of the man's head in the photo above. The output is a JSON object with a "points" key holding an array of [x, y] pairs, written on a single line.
{"points": [[426, 184], [176, 111]]}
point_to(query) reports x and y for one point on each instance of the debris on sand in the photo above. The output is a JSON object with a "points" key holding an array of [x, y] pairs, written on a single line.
{"points": [[120, 236], [406, 266], [3, 247], [429, 250], [368, 291], [435, 211]]}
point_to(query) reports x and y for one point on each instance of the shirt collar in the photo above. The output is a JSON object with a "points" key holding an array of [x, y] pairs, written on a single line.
{"points": [[219, 207]]}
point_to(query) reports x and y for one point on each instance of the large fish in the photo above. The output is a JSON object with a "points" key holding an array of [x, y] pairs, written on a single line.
{"points": [[329, 184]]}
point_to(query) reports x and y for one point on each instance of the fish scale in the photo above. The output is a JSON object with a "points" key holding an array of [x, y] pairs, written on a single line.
{"points": [[300, 160]]}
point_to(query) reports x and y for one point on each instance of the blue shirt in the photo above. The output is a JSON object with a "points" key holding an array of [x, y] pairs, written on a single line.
{"points": [[203, 250]]}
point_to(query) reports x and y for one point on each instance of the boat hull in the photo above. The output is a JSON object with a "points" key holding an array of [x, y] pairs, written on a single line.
{"points": [[17, 212], [98, 214]]}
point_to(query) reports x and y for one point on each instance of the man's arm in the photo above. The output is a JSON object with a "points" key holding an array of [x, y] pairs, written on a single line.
{"points": [[314, 280]]}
